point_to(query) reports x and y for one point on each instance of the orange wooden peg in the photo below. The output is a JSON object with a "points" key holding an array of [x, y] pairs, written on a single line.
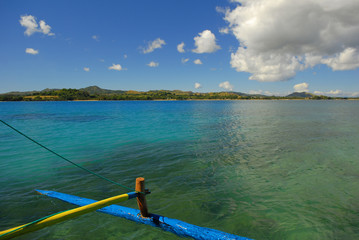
{"points": [[141, 199]]}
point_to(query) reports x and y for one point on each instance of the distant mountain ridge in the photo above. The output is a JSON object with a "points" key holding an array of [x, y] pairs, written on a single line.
{"points": [[97, 93], [300, 95], [97, 90]]}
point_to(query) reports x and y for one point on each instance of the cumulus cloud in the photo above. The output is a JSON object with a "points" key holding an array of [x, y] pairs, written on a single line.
{"points": [[157, 43], [45, 29], [153, 64], [197, 85], [301, 87], [345, 60], [335, 92], [261, 92], [205, 42], [197, 61], [31, 51], [226, 85], [31, 25], [116, 67], [96, 38], [224, 30], [331, 92], [278, 39], [180, 47], [86, 69], [184, 60]]}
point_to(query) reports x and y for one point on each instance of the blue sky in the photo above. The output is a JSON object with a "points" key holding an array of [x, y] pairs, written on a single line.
{"points": [[244, 46]]}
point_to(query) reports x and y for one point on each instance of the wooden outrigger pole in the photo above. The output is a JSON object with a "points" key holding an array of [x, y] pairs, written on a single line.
{"points": [[175, 226], [108, 206], [63, 216], [69, 214]]}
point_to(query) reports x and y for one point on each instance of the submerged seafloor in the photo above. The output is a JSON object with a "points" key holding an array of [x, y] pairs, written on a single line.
{"points": [[259, 169]]}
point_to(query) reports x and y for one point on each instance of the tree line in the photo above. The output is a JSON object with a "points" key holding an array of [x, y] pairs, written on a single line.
{"points": [[80, 94]]}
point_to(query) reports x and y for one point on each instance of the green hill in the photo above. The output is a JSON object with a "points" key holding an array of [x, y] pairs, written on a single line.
{"points": [[300, 95], [95, 90]]}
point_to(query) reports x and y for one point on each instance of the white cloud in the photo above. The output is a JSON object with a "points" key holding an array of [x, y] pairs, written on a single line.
{"points": [[180, 47], [157, 43], [86, 69], [197, 85], [335, 92], [116, 67], [153, 64], [267, 93], [318, 92], [31, 51], [197, 61], [278, 39], [184, 60], [125, 56], [224, 30], [261, 92], [256, 92], [348, 59], [205, 42], [265, 67], [95, 37], [221, 9], [29, 22], [301, 87], [331, 93], [226, 85], [45, 29]]}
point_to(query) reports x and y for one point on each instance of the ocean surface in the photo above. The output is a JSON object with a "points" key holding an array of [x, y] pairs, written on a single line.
{"points": [[259, 169]]}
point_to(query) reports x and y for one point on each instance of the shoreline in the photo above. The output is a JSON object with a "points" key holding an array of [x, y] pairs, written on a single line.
{"points": [[175, 100]]}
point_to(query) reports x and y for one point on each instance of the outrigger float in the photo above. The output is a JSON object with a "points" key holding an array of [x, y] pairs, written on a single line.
{"points": [[108, 206], [175, 226]]}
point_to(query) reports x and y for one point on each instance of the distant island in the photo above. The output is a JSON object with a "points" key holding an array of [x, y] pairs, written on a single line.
{"points": [[97, 93]]}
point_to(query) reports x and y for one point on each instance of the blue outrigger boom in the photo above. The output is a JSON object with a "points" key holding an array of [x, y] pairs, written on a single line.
{"points": [[175, 226]]}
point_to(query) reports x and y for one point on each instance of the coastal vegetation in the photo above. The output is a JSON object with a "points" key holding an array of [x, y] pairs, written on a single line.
{"points": [[96, 93]]}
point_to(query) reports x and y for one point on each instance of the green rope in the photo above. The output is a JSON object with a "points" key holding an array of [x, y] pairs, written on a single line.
{"points": [[30, 223], [83, 168]]}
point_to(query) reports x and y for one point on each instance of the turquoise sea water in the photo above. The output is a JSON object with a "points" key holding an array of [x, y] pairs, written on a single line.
{"points": [[260, 169]]}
